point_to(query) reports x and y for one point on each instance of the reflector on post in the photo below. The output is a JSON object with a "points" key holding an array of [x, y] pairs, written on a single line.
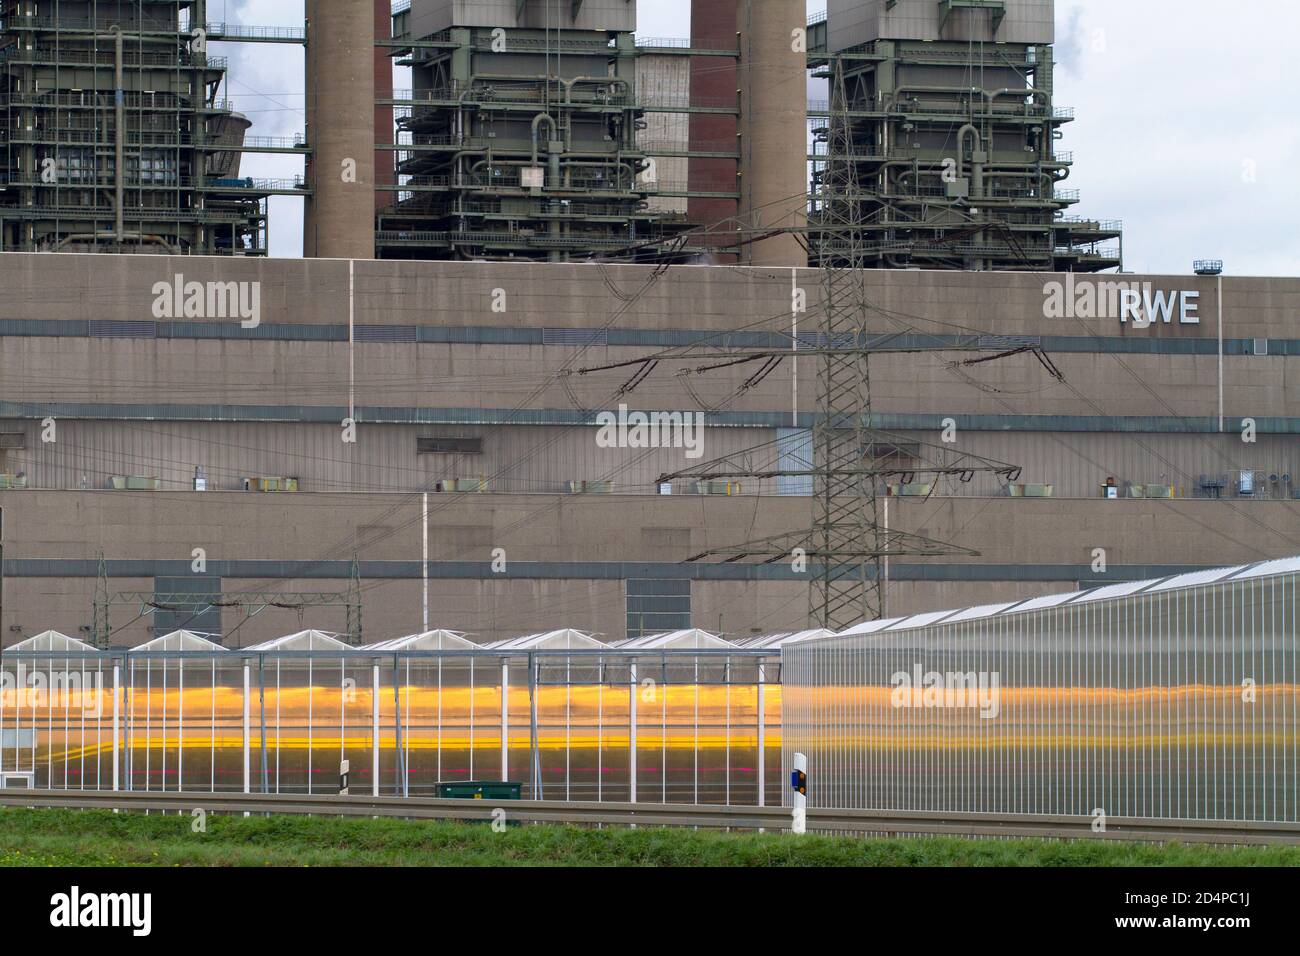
{"points": [[799, 784]]}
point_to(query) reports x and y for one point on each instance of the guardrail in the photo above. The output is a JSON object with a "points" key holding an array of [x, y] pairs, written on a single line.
{"points": [[882, 822], [684, 43], [236, 31], [196, 61], [271, 142]]}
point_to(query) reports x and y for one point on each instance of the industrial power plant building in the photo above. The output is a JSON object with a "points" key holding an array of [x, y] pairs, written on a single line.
{"points": [[547, 131], [331, 410], [557, 353], [118, 135]]}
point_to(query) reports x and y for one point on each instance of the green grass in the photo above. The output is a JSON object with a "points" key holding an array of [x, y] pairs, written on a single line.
{"points": [[101, 838]]}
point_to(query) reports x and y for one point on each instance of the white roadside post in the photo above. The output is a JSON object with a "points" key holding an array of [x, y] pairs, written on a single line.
{"points": [[374, 730], [799, 784], [117, 725], [631, 723], [247, 767], [762, 740], [505, 719]]}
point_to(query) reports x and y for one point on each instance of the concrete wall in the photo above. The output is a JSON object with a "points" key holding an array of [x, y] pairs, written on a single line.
{"points": [[299, 354], [133, 393], [567, 560], [303, 292]]}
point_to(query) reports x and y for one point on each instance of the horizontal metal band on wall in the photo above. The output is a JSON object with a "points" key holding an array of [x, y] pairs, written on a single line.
{"points": [[624, 337], [571, 570], [333, 415]]}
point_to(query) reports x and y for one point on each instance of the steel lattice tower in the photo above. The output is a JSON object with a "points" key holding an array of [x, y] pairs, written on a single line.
{"points": [[846, 516]]}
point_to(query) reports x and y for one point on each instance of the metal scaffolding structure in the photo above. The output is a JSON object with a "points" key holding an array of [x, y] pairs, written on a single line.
{"points": [[522, 143], [115, 135], [954, 132]]}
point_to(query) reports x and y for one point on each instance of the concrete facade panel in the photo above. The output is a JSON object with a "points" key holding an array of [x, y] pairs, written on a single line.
{"points": [[1026, 547]]}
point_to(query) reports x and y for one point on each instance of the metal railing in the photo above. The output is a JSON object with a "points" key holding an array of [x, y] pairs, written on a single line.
{"points": [[132, 213], [556, 209], [507, 239], [503, 95], [657, 146], [233, 31], [133, 182], [70, 24], [591, 814], [273, 142], [1105, 225], [134, 137], [510, 178], [104, 100], [680, 43], [1032, 111], [181, 61]]}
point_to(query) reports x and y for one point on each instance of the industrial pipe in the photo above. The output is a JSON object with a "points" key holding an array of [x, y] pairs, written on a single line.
{"points": [[977, 166], [552, 156], [596, 80], [140, 238], [1011, 91], [969, 91], [573, 159]]}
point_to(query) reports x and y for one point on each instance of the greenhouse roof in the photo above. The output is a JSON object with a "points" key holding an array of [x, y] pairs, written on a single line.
{"points": [[1106, 592], [565, 639], [51, 641], [178, 641], [302, 641], [779, 640], [690, 638], [436, 640]]}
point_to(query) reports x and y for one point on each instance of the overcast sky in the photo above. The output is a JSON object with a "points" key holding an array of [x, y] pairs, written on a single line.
{"points": [[1186, 126]]}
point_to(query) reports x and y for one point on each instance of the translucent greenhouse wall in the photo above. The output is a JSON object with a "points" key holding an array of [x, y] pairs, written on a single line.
{"points": [[569, 725], [1180, 703]]}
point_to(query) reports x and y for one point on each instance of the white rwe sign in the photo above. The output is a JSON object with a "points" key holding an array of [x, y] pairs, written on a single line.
{"points": [[1139, 302]]}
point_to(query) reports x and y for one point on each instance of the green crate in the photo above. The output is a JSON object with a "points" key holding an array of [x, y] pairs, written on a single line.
{"points": [[481, 790]]}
